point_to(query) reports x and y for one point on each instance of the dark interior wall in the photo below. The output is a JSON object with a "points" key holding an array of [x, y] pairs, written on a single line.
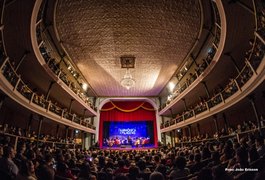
{"points": [[234, 117], [10, 116]]}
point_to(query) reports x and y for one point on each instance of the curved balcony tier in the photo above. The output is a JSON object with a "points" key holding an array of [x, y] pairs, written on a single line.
{"points": [[38, 47], [12, 85], [243, 84], [212, 57]]}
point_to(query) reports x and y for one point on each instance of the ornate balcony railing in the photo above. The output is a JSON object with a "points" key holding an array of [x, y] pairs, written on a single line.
{"points": [[232, 87], [20, 86], [200, 68], [57, 61]]}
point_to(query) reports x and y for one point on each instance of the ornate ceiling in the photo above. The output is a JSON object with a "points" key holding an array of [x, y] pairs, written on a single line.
{"points": [[158, 33]]}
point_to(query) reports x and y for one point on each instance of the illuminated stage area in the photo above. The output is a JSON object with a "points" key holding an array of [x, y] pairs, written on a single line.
{"points": [[128, 125], [131, 134]]}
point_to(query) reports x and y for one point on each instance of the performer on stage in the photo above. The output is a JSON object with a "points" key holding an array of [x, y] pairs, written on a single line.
{"points": [[129, 140]]}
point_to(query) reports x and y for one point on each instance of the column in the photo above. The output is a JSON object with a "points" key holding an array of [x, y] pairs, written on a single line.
{"points": [[92, 120], [185, 104], [29, 124], [21, 60], [57, 131], [39, 128], [190, 132], [206, 89], [171, 137], [233, 61], [49, 90], [215, 123], [163, 120], [72, 131], [225, 122], [174, 138], [163, 139], [2, 99], [66, 132], [84, 113], [93, 139], [171, 112], [198, 129], [85, 140], [88, 140], [70, 106], [160, 103], [251, 99]]}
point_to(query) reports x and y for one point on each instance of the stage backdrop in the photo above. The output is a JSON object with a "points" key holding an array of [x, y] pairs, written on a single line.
{"points": [[127, 111]]}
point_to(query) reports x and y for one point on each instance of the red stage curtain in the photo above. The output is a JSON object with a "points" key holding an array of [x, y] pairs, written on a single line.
{"points": [[127, 111]]}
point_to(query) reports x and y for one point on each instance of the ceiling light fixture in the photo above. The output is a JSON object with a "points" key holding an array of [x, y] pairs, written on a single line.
{"points": [[127, 62], [84, 86], [127, 81]]}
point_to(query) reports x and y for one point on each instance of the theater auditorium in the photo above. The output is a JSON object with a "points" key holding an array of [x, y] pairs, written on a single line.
{"points": [[132, 90]]}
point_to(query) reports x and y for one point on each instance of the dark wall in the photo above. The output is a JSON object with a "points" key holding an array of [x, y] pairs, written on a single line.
{"points": [[14, 116]]}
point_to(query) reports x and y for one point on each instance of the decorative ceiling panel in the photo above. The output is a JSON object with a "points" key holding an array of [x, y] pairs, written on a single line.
{"points": [[158, 33]]}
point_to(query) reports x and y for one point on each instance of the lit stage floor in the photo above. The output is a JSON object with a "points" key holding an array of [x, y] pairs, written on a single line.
{"points": [[128, 147]]}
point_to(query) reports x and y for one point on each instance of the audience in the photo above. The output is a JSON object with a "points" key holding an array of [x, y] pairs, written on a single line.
{"points": [[7, 166], [207, 159]]}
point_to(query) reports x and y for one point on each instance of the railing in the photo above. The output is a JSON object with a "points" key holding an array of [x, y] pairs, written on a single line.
{"points": [[15, 80], [14, 139], [2, 6], [2, 47], [58, 62], [8, 71], [232, 87], [235, 135], [180, 87], [253, 60], [259, 7]]}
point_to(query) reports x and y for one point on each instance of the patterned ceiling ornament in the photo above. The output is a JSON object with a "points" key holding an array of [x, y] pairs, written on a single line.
{"points": [[96, 34]]}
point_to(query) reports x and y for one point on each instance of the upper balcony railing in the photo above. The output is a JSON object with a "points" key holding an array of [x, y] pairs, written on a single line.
{"points": [[2, 47], [199, 68], [20, 86], [58, 62], [15, 139], [2, 6], [8, 72], [235, 85]]}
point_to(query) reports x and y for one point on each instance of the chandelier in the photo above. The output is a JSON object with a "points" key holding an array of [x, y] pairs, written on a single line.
{"points": [[127, 81], [127, 62]]}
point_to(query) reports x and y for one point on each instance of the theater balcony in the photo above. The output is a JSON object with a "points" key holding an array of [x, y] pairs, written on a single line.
{"points": [[25, 80], [238, 75]]}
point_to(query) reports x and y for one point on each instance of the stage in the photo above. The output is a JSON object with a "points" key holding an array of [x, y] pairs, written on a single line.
{"points": [[127, 148], [128, 126]]}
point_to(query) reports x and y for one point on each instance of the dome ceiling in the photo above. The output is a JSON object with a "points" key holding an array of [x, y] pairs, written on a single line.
{"points": [[159, 34]]}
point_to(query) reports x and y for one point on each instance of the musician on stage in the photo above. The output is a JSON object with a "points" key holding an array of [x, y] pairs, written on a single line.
{"points": [[129, 140]]}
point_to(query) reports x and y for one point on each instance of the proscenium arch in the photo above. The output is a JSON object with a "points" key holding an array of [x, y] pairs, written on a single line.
{"points": [[151, 101]]}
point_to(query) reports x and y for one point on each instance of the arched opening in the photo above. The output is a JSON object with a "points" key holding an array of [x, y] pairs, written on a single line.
{"points": [[130, 124]]}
